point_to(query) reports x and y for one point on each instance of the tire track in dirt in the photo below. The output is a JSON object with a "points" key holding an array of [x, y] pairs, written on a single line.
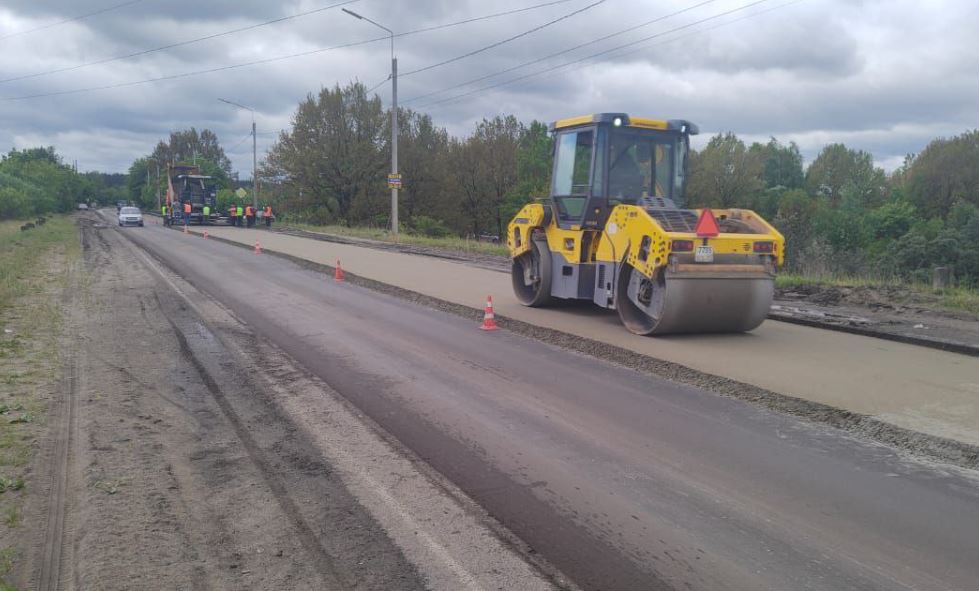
{"points": [[325, 564], [213, 484], [50, 570]]}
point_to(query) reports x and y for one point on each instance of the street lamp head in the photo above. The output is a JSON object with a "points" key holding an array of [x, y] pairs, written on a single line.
{"points": [[352, 13], [234, 104]]}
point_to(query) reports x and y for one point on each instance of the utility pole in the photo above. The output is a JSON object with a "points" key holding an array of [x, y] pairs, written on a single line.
{"points": [[394, 119], [254, 164], [157, 162], [394, 137], [254, 150]]}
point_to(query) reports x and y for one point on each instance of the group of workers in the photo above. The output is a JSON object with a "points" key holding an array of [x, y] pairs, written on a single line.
{"points": [[236, 214], [178, 211]]}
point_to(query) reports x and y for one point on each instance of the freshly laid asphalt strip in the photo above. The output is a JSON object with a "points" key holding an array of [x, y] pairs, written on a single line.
{"points": [[621, 480], [917, 389]]}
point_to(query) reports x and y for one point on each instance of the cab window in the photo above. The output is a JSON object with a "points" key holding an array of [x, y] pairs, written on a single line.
{"points": [[572, 172], [640, 166]]}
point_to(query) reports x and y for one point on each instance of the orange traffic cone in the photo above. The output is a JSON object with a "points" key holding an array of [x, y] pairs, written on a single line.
{"points": [[258, 248], [338, 273], [205, 234], [489, 319]]}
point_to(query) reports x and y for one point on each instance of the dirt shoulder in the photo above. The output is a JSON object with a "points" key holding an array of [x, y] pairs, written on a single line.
{"points": [[203, 458], [892, 313], [35, 266]]}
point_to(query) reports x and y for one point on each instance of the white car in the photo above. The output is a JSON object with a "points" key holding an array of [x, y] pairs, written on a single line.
{"points": [[130, 216]]}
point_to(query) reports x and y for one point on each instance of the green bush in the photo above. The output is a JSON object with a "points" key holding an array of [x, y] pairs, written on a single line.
{"points": [[431, 227], [14, 204]]}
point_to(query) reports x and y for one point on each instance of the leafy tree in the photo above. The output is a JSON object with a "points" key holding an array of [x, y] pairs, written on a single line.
{"points": [[839, 169], [14, 204], [724, 174], [422, 152], [945, 171], [466, 163], [334, 151], [962, 214], [781, 165], [795, 221], [891, 220], [535, 154], [498, 140], [189, 147], [36, 181]]}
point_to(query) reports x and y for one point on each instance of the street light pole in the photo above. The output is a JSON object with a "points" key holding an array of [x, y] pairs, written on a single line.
{"points": [[394, 118], [254, 164], [157, 162], [254, 150]]}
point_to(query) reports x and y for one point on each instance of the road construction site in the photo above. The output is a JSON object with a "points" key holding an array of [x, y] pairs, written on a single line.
{"points": [[914, 388], [390, 443]]}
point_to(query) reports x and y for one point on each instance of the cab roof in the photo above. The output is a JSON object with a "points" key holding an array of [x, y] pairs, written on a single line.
{"points": [[626, 120]]}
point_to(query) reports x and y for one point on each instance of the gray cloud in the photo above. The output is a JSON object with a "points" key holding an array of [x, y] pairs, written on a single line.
{"points": [[882, 75]]}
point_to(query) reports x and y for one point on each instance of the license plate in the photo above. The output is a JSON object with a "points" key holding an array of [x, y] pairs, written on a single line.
{"points": [[704, 254]]}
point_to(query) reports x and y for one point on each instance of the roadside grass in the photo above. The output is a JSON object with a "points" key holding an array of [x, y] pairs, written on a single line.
{"points": [[450, 243], [963, 299], [32, 279]]}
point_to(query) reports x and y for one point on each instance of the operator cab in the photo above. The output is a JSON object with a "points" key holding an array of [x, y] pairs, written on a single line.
{"points": [[609, 159]]}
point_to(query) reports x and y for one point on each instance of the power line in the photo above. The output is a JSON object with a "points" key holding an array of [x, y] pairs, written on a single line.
{"points": [[173, 45], [72, 19], [248, 135], [482, 18], [562, 52], [282, 57], [548, 74], [378, 85], [504, 41], [706, 29], [594, 55]]}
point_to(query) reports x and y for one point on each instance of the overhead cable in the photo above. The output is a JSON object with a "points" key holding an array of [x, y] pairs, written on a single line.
{"points": [[72, 19], [282, 57], [594, 55]]}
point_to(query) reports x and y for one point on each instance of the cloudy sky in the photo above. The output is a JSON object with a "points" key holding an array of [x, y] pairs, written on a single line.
{"points": [[885, 76]]}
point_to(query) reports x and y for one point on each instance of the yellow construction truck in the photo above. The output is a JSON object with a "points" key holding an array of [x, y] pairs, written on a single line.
{"points": [[615, 231]]}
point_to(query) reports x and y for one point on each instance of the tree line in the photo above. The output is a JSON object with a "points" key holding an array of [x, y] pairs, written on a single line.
{"points": [[331, 166], [841, 214], [37, 181]]}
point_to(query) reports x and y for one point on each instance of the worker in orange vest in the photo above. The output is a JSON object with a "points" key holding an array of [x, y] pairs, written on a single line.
{"points": [[267, 216], [232, 214], [250, 216], [187, 209]]}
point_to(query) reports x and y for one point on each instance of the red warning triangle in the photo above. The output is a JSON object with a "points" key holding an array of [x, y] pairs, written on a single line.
{"points": [[707, 224]]}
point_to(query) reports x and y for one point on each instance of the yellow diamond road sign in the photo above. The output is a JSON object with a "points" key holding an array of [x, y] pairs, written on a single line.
{"points": [[241, 193]]}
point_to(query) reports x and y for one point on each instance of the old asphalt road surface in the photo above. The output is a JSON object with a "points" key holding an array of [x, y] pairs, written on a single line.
{"points": [[205, 458], [621, 480]]}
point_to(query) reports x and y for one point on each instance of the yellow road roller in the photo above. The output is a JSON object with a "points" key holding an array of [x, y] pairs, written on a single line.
{"points": [[615, 231]]}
